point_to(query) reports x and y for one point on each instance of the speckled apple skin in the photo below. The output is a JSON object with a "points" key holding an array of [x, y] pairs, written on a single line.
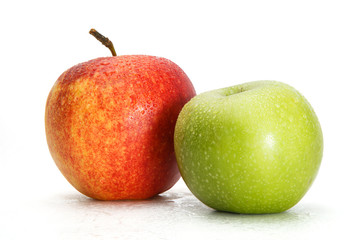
{"points": [[110, 124], [252, 148]]}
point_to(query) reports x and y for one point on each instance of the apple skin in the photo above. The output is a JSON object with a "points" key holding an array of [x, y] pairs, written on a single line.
{"points": [[110, 124], [253, 148]]}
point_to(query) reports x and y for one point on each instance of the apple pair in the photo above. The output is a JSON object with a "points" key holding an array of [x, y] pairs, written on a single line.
{"points": [[110, 127]]}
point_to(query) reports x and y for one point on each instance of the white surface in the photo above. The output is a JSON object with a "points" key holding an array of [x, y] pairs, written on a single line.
{"points": [[173, 215], [311, 45]]}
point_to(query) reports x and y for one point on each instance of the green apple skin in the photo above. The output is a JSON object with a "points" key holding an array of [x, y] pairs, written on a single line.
{"points": [[253, 148]]}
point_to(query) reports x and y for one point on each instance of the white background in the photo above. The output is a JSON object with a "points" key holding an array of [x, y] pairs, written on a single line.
{"points": [[311, 45]]}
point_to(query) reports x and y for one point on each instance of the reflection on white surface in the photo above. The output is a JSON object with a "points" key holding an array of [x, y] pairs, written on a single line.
{"points": [[176, 214]]}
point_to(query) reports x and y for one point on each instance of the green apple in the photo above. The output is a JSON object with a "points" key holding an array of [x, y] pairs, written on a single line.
{"points": [[252, 148]]}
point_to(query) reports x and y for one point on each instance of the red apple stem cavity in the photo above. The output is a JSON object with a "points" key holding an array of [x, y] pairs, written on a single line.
{"points": [[104, 40]]}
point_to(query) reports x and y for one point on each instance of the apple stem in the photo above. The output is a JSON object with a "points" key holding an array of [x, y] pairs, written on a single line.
{"points": [[104, 40]]}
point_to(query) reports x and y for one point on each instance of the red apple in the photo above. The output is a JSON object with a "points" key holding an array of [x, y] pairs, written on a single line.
{"points": [[110, 125]]}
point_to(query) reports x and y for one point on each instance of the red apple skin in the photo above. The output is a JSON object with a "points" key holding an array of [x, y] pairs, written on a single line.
{"points": [[110, 125]]}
